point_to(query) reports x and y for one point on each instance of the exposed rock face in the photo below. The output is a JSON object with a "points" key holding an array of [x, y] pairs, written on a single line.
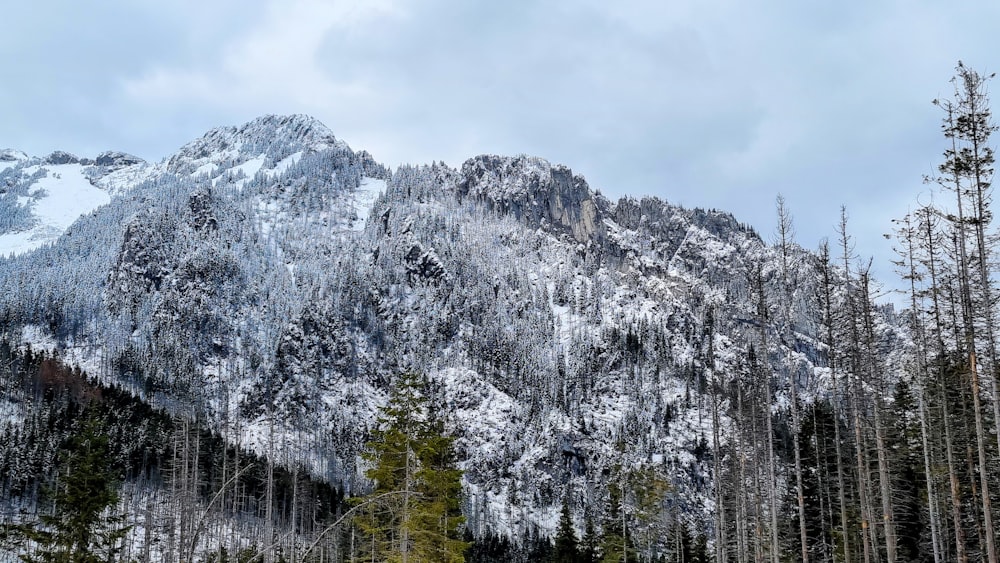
{"points": [[113, 160], [61, 157], [11, 155], [536, 192], [424, 264]]}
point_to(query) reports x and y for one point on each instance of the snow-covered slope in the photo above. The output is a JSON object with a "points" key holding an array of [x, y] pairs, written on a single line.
{"points": [[41, 201]]}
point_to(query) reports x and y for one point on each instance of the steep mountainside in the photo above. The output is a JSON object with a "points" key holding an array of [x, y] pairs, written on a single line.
{"points": [[269, 279]]}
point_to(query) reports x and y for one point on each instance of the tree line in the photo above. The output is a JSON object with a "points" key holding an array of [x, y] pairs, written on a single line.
{"points": [[892, 455]]}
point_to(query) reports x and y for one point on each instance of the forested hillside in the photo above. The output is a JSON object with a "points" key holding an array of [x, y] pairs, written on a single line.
{"points": [[268, 346]]}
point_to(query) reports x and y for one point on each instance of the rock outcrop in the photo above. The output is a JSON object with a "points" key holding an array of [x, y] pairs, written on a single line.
{"points": [[536, 192]]}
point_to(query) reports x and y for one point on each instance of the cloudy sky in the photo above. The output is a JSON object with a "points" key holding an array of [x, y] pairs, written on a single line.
{"points": [[709, 103]]}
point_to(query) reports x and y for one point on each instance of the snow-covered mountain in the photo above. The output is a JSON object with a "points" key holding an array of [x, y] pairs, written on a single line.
{"points": [[41, 197], [273, 281]]}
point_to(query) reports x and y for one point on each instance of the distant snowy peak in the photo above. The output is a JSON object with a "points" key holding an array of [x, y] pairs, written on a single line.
{"points": [[298, 128], [107, 159], [40, 197], [272, 137], [61, 157], [116, 160], [11, 157]]}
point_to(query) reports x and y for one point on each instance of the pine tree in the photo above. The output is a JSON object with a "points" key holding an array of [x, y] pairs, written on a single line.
{"points": [[83, 527], [413, 513], [616, 546], [566, 550], [589, 543], [437, 512]]}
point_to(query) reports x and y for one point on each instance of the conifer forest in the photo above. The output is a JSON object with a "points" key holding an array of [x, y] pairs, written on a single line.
{"points": [[269, 347]]}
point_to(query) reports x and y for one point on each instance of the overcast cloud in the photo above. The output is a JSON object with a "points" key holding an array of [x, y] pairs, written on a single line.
{"points": [[709, 103]]}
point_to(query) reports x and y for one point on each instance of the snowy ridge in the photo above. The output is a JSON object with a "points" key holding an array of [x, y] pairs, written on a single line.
{"points": [[271, 136], [10, 158]]}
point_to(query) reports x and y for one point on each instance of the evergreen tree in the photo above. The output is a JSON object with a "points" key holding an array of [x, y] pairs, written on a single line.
{"points": [[82, 528], [566, 550], [615, 544], [590, 543], [414, 512], [438, 513], [490, 549]]}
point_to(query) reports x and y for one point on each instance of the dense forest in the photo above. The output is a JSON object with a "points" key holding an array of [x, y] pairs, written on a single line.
{"points": [[229, 364]]}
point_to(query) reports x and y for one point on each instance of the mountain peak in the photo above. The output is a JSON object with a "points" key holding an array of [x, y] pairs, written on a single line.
{"points": [[11, 155], [62, 157], [296, 128], [272, 135], [117, 159]]}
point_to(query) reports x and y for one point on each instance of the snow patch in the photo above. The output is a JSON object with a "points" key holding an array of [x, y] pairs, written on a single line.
{"points": [[364, 200], [287, 163], [66, 194], [250, 167], [207, 168]]}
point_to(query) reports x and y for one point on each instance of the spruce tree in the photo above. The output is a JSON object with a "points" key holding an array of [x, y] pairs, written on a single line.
{"points": [[413, 513], [615, 544], [566, 544], [83, 527], [437, 511], [589, 543]]}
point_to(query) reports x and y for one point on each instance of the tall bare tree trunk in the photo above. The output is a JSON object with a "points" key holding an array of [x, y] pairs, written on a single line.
{"points": [[868, 538], [836, 399], [766, 377], [909, 264], [877, 381], [932, 503], [966, 163], [721, 554], [977, 128], [956, 496], [785, 235]]}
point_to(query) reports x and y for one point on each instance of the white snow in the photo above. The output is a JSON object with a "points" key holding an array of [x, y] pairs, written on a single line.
{"points": [[10, 413], [250, 167], [287, 163], [364, 200], [207, 168], [124, 179], [67, 195], [10, 158]]}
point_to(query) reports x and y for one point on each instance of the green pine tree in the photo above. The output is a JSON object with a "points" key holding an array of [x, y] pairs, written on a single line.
{"points": [[590, 543], [566, 545], [414, 511], [438, 511], [616, 546], [82, 527]]}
